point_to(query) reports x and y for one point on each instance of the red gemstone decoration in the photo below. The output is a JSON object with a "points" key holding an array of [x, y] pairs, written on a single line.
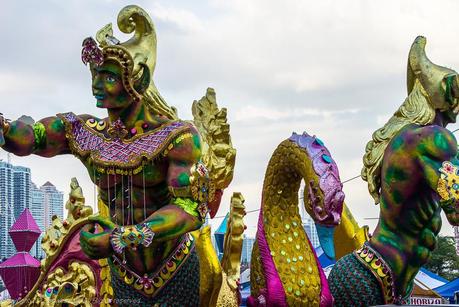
{"points": [[144, 125], [378, 262]]}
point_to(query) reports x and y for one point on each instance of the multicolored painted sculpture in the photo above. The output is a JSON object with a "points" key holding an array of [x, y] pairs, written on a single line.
{"points": [[412, 172], [156, 179], [284, 268]]}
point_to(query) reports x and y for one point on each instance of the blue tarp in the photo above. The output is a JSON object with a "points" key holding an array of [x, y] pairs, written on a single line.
{"points": [[323, 259], [435, 276], [220, 236], [448, 289]]}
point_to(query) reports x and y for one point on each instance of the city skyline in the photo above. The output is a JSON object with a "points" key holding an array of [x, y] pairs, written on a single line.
{"points": [[14, 189], [17, 192]]}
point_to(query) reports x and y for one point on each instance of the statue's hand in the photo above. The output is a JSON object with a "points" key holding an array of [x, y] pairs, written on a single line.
{"points": [[451, 209], [3, 128], [97, 245]]}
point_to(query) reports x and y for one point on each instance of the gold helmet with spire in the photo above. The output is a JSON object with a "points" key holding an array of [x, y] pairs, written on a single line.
{"points": [[438, 81], [136, 56]]}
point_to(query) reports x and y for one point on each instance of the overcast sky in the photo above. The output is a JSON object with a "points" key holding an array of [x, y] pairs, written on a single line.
{"points": [[335, 69]]}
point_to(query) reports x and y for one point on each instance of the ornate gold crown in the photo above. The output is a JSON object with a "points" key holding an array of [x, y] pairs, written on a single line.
{"points": [[136, 56]]}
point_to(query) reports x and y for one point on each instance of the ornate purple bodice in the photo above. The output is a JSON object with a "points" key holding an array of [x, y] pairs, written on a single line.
{"points": [[325, 167], [116, 153]]}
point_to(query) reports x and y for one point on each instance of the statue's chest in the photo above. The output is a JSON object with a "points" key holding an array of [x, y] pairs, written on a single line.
{"points": [[151, 175], [116, 155]]}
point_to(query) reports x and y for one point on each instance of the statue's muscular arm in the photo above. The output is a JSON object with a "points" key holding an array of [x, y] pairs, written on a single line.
{"points": [[436, 146], [408, 222], [45, 138], [171, 220], [411, 164], [441, 146]]}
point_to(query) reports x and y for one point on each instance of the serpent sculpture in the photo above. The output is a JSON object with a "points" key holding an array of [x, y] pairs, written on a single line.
{"points": [[284, 268]]}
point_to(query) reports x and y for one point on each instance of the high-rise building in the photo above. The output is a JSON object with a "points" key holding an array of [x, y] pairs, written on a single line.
{"points": [[37, 208], [247, 246], [6, 208], [54, 201], [46, 201], [14, 198], [21, 188], [310, 228], [308, 223]]}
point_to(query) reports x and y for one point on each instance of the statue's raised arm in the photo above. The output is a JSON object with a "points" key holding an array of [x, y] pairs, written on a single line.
{"points": [[45, 137]]}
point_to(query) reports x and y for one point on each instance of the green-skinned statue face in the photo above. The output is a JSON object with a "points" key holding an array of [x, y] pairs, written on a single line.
{"points": [[108, 88]]}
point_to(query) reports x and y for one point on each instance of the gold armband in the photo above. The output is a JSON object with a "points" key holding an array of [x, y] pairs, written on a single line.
{"points": [[39, 132], [194, 199], [202, 187], [182, 192], [191, 207]]}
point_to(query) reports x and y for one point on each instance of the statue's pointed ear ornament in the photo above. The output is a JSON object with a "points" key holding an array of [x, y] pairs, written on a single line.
{"points": [[136, 56], [436, 80], [143, 82]]}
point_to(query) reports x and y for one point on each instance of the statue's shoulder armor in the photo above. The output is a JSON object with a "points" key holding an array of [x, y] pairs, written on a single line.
{"points": [[188, 138]]}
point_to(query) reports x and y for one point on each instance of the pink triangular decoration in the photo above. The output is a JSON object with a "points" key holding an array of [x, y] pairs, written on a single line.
{"points": [[19, 273], [24, 240], [25, 222], [24, 231]]}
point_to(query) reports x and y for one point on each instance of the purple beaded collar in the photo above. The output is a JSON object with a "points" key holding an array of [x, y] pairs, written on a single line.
{"points": [[117, 154]]}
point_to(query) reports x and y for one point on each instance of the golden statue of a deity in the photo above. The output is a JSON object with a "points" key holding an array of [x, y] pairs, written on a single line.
{"points": [[157, 177]]}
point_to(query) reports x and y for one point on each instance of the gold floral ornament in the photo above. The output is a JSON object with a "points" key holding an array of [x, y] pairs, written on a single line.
{"points": [[59, 231], [448, 186], [218, 285], [75, 206], [75, 286]]}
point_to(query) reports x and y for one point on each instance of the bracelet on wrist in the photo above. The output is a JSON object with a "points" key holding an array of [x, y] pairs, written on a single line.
{"points": [[131, 237], [5, 125]]}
